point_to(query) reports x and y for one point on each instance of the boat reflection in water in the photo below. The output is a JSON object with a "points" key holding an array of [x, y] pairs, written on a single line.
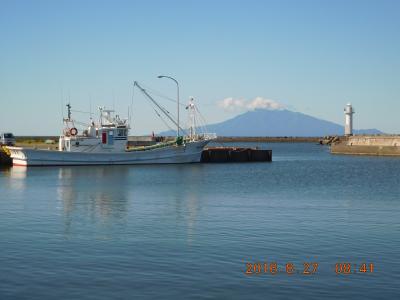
{"points": [[16, 177], [106, 200], [93, 197], [185, 201]]}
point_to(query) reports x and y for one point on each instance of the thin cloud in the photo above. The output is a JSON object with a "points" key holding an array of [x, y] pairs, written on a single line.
{"points": [[232, 104]]}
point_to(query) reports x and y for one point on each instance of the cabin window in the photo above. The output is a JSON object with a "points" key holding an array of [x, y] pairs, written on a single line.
{"points": [[122, 132], [110, 138]]}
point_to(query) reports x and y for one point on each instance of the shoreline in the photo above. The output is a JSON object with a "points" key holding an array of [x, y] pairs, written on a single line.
{"points": [[34, 140], [270, 139]]}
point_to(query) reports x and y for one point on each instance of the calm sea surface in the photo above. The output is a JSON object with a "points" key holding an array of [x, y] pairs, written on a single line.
{"points": [[188, 231]]}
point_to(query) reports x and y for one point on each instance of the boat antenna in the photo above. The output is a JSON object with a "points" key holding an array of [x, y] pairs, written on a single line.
{"points": [[69, 111], [113, 96], [90, 106], [130, 108], [62, 104]]}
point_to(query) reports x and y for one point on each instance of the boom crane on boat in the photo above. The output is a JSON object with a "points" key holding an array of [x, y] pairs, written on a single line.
{"points": [[163, 110]]}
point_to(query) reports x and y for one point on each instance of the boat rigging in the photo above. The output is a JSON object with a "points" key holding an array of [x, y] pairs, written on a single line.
{"points": [[162, 109]]}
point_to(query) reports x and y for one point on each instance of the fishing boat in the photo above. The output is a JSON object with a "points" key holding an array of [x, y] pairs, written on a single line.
{"points": [[106, 143]]}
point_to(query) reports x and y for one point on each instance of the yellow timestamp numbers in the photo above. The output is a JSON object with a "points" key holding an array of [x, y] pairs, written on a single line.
{"points": [[273, 268], [306, 268]]}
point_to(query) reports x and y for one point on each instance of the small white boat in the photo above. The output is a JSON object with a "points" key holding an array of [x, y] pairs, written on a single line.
{"points": [[106, 144]]}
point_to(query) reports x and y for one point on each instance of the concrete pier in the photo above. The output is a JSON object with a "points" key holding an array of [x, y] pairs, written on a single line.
{"points": [[235, 154], [381, 145]]}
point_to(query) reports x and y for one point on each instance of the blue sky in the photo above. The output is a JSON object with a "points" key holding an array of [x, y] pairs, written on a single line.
{"points": [[310, 56]]}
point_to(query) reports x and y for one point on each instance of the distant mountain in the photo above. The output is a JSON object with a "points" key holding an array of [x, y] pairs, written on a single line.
{"points": [[262, 122]]}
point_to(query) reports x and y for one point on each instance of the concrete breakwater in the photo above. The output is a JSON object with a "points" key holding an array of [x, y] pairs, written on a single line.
{"points": [[385, 145]]}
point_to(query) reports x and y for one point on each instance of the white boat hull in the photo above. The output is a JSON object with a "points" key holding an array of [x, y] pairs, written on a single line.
{"points": [[188, 153]]}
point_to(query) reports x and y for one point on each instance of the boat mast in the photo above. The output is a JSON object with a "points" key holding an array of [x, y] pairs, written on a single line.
{"points": [[192, 118]]}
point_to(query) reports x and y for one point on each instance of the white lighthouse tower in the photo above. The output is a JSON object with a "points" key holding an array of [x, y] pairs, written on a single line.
{"points": [[348, 112]]}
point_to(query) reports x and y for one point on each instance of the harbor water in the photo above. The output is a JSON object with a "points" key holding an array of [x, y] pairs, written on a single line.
{"points": [[286, 229]]}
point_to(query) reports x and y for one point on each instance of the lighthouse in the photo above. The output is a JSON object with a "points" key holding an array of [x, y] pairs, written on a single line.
{"points": [[348, 127]]}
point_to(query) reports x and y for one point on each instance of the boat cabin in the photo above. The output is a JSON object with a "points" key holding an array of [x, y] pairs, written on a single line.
{"points": [[109, 135]]}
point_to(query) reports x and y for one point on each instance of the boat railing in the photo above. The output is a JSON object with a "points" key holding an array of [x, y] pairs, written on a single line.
{"points": [[202, 136], [209, 136], [150, 147]]}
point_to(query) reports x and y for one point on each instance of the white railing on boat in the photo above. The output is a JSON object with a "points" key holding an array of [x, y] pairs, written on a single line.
{"points": [[209, 136], [202, 136]]}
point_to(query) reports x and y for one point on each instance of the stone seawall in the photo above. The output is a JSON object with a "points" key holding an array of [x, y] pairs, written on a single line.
{"points": [[368, 145], [373, 140]]}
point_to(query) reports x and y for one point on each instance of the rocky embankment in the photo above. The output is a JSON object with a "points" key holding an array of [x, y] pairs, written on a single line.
{"points": [[329, 140]]}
